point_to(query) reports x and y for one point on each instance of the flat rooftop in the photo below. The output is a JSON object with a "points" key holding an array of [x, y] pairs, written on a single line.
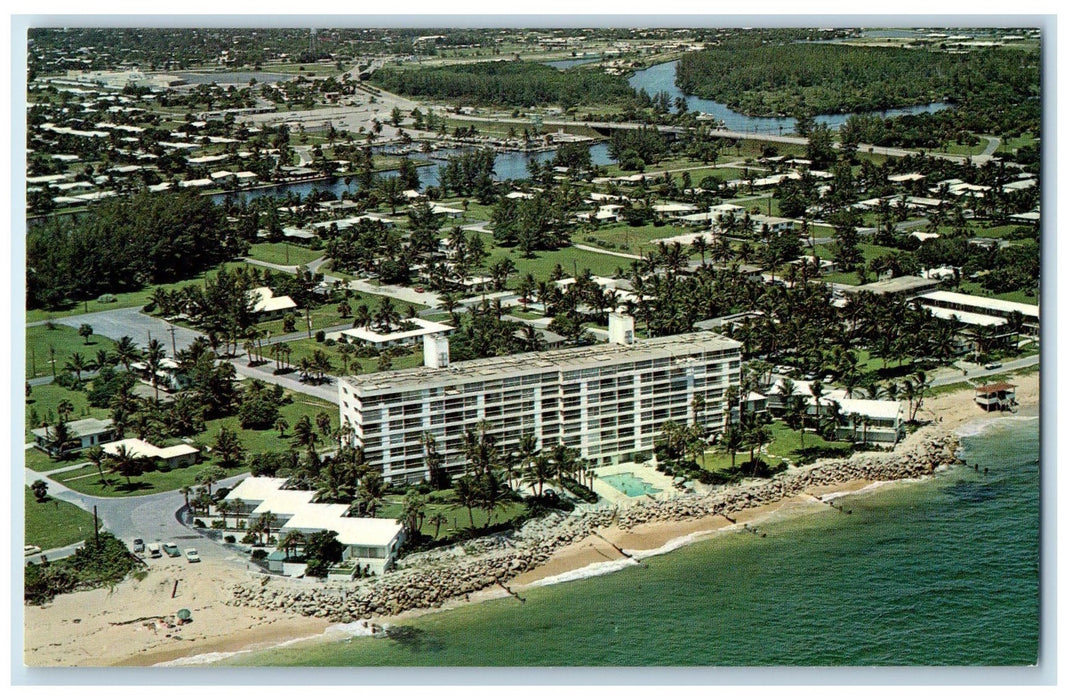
{"points": [[564, 359], [897, 285], [980, 302]]}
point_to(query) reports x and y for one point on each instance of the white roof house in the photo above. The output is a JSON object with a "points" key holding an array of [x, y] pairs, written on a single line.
{"points": [[202, 182], [367, 336], [138, 448], [907, 177], [254, 489], [267, 302]]}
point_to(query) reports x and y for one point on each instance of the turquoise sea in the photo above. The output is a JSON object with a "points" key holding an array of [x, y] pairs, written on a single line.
{"points": [[938, 572]]}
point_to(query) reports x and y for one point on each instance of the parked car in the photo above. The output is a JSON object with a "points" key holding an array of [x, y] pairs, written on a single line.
{"points": [[419, 290], [192, 555], [172, 550], [992, 365], [155, 550], [30, 550], [139, 545]]}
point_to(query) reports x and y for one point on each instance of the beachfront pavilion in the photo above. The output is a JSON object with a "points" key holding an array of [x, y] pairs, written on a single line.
{"points": [[259, 495], [999, 396]]}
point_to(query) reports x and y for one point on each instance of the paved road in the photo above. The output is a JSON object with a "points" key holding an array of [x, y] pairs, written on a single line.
{"points": [[152, 517], [116, 323], [954, 375]]}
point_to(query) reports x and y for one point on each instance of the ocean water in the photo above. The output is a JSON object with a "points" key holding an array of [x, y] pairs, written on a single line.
{"points": [[936, 572]]}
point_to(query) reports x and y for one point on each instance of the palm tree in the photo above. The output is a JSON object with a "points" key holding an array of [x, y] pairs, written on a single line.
{"points": [[466, 491], [370, 492], [303, 433], [77, 364], [122, 462], [127, 352], [209, 477], [96, 455], [64, 408], [437, 520], [281, 425], [292, 541], [154, 359]]}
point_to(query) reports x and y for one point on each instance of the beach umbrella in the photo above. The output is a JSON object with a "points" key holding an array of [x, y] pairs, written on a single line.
{"points": [[184, 615]]}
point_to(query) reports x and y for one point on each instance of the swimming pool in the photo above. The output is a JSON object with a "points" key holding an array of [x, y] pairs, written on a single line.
{"points": [[630, 485]]}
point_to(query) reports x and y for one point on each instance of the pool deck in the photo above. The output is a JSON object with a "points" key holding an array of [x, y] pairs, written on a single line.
{"points": [[645, 472]]}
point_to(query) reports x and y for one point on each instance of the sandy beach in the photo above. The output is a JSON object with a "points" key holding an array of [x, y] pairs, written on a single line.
{"points": [[85, 628], [103, 627]]}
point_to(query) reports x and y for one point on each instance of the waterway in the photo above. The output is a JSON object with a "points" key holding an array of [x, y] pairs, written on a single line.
{"points": [[661, 78], [507, 165], [938, 572]]}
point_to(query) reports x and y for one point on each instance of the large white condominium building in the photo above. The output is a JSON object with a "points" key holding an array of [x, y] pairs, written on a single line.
{"points": [[607, 401]]}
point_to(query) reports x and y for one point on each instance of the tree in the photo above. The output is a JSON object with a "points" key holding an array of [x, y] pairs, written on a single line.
{"points": [[125, 464], [281, 425], [209, 477], [58, 439], [96, 455], [126, 352], [228, 449], [322, 550], [370, 492], [413, 510], [291, 542], [40, 490], [76, 364], [85, 331]]}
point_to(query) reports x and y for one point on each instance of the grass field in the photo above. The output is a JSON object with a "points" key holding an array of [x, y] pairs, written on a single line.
{"points": [[123, 300], [785, 444], [66, 342], [55, 523], [87, 480], [44, 399], [283, 253], [455, 514]]}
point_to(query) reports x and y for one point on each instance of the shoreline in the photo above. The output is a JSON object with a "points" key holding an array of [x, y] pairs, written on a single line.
{"points": [[542, 553]]}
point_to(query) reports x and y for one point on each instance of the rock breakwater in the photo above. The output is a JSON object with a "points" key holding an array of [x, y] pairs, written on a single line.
{"points": [[430, 579]]}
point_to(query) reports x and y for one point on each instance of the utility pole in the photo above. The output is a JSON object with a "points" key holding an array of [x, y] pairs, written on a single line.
{"points": [[96, 529], [52, 359]]}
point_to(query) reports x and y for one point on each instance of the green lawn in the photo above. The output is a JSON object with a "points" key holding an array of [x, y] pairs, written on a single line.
{"points": [[327, 315], [571, 259], [283, 253], [123, 300], [66, 342], [626, 238], [1009, 145], [455, 513], [955, 148], [55, 523], [357, 365], [785, 444], [87, 481], [44, 399]]}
